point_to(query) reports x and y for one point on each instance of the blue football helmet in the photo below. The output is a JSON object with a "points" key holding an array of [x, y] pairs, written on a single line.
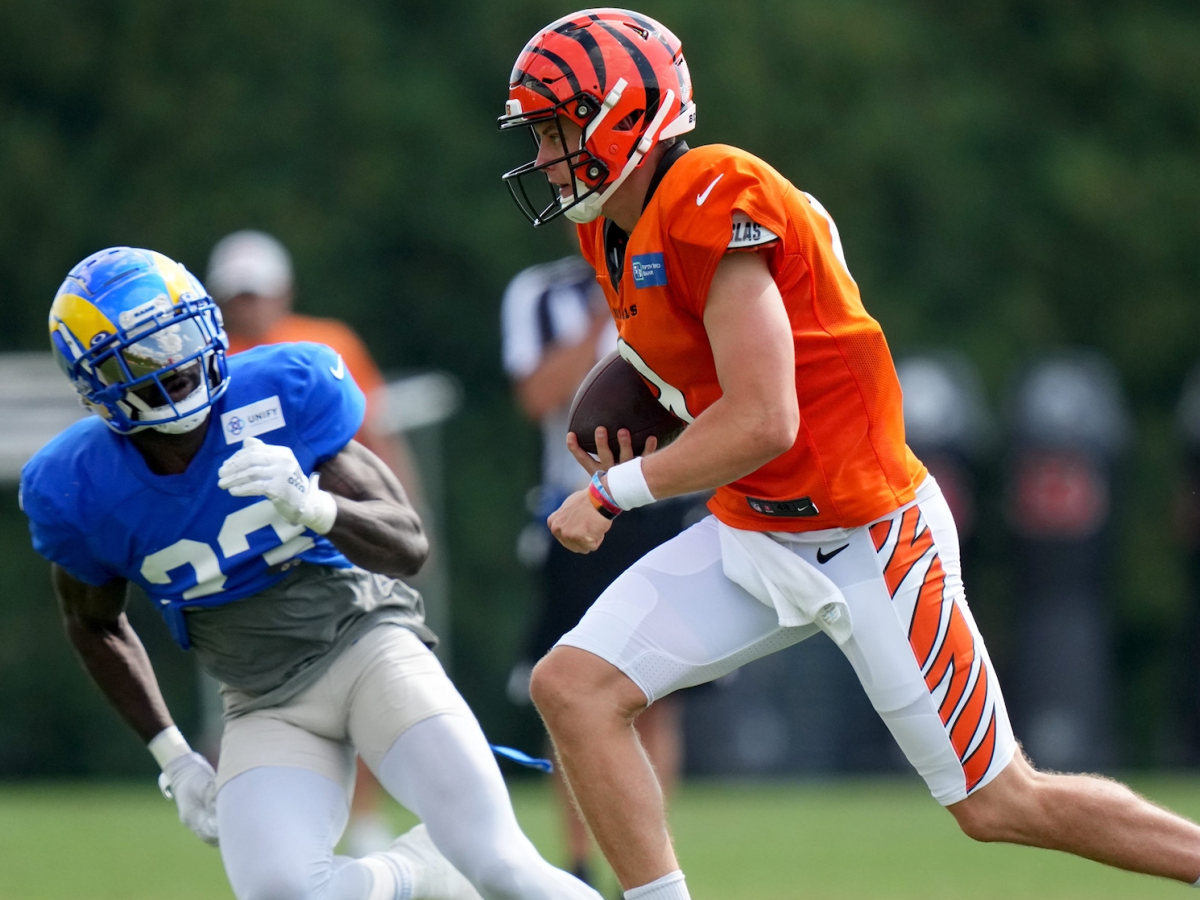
{"points": [[141, 341]]}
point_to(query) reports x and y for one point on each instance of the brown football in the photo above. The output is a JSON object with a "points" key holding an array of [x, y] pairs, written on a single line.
{"points": [[615, 396]]}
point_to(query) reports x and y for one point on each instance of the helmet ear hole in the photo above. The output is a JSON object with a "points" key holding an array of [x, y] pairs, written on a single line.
{"points": [[630, 121]]}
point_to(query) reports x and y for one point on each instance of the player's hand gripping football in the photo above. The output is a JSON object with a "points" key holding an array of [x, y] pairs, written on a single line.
{"points": [[576, 524], [272, 471], [191, 782]]}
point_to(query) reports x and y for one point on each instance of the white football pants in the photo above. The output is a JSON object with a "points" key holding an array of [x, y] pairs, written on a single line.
{"points": [[674, 619], [278, 824]]}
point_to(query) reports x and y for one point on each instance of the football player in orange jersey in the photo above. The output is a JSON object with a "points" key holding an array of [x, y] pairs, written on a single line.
{"points": [[732, 297]]}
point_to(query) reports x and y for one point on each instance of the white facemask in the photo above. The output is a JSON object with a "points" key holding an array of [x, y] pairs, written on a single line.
{"points": [[197, 400], [184, 425]]}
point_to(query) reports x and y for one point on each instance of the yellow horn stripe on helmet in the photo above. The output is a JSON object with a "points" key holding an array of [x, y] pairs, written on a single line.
{"points": [[80, 317], [175, 276]]}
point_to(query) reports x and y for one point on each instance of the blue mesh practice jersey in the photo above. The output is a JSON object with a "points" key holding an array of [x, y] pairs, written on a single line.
{"points": [[97, 510]]}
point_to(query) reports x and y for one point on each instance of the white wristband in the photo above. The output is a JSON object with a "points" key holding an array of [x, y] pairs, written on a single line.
{"points": [[320, 509], [168, 745], [627, 485]]}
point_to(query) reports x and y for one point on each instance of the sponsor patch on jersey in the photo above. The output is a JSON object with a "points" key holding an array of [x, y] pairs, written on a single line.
{"points": [[748, 233], [252, 420], [798, 508], [649, 270]]}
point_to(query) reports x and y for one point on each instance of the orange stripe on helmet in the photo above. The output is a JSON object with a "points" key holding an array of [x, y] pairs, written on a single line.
{"points": [[567, 70], [592, 52], [644, 67]]}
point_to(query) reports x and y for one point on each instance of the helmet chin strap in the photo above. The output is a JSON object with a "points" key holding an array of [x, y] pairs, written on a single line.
{"points": [[588, 209]]}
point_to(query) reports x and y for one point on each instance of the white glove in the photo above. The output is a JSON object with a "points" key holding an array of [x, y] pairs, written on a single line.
{"points": [[271, 471], [191, 782]]}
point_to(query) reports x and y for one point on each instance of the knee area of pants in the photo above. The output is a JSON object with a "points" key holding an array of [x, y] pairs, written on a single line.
{"points": [[501, 876], [278, 886]]}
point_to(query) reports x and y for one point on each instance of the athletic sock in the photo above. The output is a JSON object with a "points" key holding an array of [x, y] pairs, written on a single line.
{"points": [[392, 877], [670, 887]]}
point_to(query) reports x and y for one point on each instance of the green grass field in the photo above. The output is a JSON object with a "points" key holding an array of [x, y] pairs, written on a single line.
{"points": [[836, 840]]}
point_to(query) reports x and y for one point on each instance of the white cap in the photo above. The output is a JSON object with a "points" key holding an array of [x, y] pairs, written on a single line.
{"points": [[248, 262]]}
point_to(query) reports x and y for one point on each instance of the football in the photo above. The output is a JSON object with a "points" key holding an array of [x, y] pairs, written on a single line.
{"points": [[614, 395]]}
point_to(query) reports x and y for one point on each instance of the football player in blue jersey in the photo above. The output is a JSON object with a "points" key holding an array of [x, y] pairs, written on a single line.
{"points": [[272, 544]]}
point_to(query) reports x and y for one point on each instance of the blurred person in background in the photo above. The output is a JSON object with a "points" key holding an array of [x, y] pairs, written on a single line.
{"points": [[250, 276], [731, 293], [272, 543], [555, 326]]}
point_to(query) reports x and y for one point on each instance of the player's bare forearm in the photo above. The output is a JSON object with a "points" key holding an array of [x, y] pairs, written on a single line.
{"points": [[576, 524], [379, 537], [376, 526], [95, 623], [757, 417], [726, 442]]}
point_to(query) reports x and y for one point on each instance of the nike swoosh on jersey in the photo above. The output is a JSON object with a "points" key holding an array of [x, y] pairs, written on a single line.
{"points": [[340, 372], [700, 198], [823, 558]]}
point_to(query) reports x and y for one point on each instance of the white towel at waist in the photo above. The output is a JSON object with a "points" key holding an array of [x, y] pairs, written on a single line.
{"points": [[782, 580]]}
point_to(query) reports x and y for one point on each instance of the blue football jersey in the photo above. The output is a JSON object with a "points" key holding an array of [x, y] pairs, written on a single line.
{"points": [[96, 509]]}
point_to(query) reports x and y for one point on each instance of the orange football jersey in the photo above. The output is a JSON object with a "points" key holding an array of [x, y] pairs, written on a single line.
{"points": [[850, 463]]}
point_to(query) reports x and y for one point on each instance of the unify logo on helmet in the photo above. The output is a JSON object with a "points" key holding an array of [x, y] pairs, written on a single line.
{"points": [[252, 420], [649, 270]]}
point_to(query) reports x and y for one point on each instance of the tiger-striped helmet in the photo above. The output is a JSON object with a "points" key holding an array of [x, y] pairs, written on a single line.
{"points": [[617, 74]]}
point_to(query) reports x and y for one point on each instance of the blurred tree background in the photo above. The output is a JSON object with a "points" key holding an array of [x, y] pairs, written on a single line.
{"points": [[1008, 176]]}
